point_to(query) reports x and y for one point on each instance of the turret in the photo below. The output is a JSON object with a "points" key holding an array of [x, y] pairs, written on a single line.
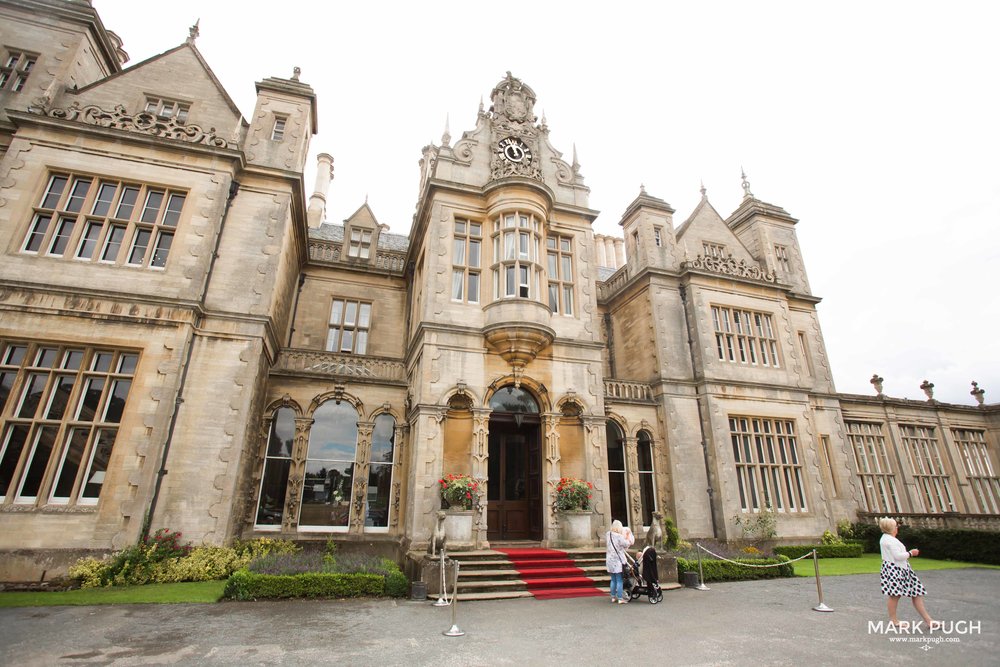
{"points": [[317, 202], [648, 225], [283, 123]]}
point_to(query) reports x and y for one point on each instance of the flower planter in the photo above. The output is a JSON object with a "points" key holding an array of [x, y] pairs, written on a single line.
{"points": [[458, 528], [575, 528]]}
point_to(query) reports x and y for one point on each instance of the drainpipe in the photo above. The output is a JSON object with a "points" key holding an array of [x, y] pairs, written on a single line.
{"points": [[609, 333], [699, 397], [234, 187]]}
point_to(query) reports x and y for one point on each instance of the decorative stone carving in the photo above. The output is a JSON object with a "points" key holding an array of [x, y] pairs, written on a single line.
{"points": [[142, 123], [928, 388], [730, 267], [977, 393], [877, 383], [512, 117]]}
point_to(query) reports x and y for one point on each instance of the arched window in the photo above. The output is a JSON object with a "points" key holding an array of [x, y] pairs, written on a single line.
{"points": [[647, 485], [617, 475], [326, 490], [277, 461], [380, 469], [514, 399]]}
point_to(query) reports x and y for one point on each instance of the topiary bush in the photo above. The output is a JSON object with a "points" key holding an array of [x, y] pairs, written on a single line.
{"points": [[794, 551], [720, 570], [247, 585], [671, 536]]}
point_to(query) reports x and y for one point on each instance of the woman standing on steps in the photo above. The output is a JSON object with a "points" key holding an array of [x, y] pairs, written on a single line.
{"points": [[898, 578], [617, 543]]}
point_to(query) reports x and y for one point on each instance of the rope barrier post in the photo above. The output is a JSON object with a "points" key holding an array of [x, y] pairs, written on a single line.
{"points": [[701, 576], [454, 631], [442, 600], [819, 586]]}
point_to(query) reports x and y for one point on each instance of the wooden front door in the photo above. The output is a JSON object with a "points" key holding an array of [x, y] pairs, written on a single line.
{"points": [[514, 491]]}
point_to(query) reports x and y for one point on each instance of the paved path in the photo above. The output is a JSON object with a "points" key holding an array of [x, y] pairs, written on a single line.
{"points": [[735, 623]]}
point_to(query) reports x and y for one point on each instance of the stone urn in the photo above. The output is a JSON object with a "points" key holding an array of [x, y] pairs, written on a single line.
{"points": [[575, 528], [458, 527]]}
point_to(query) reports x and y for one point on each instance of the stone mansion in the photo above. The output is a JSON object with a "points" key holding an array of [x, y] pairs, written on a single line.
{"points": [[186, 342]]}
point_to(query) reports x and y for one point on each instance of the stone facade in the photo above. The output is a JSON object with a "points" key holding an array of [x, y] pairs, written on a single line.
{"points": [[185, 343]]}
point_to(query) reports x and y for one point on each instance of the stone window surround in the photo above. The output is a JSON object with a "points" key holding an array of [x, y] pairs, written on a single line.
{"points": [[745, 337], [16, 68], [359, 242], [975, 455], [871, 459], [92, 218], [165, 108], [349, 316], [516, 269], [68, 383], [769, 466], [559, 263], [467, 260], [278, 130], [363, 467], [923, 453]]}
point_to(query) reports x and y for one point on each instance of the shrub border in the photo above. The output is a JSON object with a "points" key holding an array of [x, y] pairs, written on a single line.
{"points": [[720, 570], [822, 550]]}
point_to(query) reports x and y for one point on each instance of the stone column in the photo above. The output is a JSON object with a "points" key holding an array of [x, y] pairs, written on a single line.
{"points": [[596, 464], [599, 247], [632, 480], [362, 458], [609, 252], [400, 474], [296, 475], [619, 252], [426, 450], [551, 472], [480, 471]]}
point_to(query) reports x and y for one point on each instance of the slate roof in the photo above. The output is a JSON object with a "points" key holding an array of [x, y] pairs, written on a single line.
{"points": [[604, 272], [386, 240]]}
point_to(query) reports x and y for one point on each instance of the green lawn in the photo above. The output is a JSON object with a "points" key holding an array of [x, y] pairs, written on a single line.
{"points": [[195, 591], [871, 564]]}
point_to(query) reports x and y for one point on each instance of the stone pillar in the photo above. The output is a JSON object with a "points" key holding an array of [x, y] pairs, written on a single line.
{"points": [[596, 465], [296, 475], [551, 473], [632, 480], [359, 501], [599, 246], [609, 252], [426, 449], [317, 202], [619, 252], [480, 470]]}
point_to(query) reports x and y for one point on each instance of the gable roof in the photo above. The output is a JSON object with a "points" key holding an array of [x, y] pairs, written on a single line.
{"points": [[335, 234], [165, 54], [705, 224]]}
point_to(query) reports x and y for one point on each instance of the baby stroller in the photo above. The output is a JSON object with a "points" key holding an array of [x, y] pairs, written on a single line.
{"points": [[645, 580]]}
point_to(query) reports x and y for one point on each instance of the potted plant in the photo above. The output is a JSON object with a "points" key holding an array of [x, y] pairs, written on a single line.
{"points": [[573, 511], [460, 494]]}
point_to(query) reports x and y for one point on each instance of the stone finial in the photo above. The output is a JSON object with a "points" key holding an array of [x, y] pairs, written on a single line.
{"points": [[928, 388], [746, 184], [576, 161], [296, 71], [193, 32], [446, 137], [642, 188], [704, 192], [877, 383], [481, 107], [977, 393]]}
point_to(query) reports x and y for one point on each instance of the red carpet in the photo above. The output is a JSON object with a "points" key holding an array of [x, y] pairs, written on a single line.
{"points": [[549, 574]]}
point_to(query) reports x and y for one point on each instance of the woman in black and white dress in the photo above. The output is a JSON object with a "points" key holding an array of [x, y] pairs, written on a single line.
{"points": [[898, 578]]}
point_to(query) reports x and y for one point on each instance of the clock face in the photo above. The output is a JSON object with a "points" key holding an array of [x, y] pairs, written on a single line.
{"points": [[514, 150]]}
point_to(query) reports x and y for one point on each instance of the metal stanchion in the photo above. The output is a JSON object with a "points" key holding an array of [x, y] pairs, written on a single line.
{"points": [[454, 631], [819, 586], [701, 576], [442, 600]]}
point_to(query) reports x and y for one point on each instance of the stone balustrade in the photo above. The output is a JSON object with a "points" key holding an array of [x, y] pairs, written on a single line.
{"points": [[950, 520], [330, 365], [612, 284], [621, 390]]}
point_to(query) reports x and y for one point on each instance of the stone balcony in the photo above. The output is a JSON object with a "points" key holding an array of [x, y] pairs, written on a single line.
{"points": [[625, 391], [518, 329], [315, 363]]}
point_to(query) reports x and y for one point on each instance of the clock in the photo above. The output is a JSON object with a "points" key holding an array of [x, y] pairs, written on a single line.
{"points": [[514, 150]]}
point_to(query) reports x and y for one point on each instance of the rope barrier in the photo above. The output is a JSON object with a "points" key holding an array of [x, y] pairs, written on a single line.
{"points": [[736, 562], [819, 587]]}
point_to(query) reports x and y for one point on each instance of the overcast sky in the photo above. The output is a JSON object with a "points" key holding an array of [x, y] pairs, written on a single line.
{"points": [[876, 124]]}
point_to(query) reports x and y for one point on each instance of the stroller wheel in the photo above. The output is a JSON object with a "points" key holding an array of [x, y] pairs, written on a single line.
{"points": [[655, 596], [635, 593]]}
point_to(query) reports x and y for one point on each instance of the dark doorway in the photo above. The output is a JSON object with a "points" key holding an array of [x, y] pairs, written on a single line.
{"points": [[515, 480]]}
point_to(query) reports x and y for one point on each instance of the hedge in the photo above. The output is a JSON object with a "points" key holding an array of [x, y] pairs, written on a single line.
{"points": [[794, 551], [720, 570], [246, 585], [973, 546]]}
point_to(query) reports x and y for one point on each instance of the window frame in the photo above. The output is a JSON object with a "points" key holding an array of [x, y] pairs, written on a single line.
{"points": [[166, 109], [15, 69], [978, 467], [769, 465], [516, 260], [467, 265], [359, 331], [745, 337], [58, 381], [279, 127], [133, 228], [927, 467], [559, 251], [359, 243]]}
